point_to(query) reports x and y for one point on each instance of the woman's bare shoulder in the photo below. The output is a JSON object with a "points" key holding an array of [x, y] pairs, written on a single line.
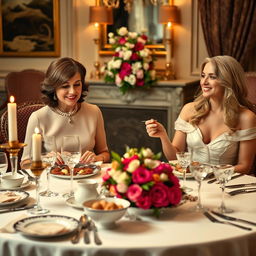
{"points": [[247, 119], [187, 111]]}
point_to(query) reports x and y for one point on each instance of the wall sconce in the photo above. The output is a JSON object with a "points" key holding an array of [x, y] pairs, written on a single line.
{"points": [[99, 15], [168, 14]]}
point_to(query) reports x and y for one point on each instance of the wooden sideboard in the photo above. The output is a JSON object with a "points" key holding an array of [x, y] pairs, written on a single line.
{"points": [[123, 113]]}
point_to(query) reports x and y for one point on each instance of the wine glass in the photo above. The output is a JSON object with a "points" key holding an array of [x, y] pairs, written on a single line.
{"points": [[223, 174], [3, 164], [200, 167], [48, 155], [71, 153], [184, 159]]}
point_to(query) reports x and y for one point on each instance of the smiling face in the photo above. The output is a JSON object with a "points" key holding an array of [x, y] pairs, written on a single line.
{"points": [[69, 93], [210, 84]]}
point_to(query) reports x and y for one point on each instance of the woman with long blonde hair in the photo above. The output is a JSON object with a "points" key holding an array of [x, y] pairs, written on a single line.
{"points": [[220, 118]]}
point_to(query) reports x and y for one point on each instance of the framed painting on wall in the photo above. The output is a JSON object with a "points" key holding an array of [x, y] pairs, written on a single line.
{"points": [[29, 28]]}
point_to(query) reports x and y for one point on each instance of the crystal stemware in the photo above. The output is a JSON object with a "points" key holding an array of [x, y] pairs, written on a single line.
{"points": [[3, 164], [48, 155], [200, 167], [71, 153], [184, 159], [223, 174]]}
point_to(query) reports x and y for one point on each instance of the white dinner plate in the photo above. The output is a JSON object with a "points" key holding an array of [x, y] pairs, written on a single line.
{"points": [[72, 202], [46, 226], [76, 177], [23, 196]]}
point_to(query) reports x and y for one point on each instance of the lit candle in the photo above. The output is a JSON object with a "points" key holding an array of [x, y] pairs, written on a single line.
{"points": [[12, 120], [36, 145], [168, 42]]}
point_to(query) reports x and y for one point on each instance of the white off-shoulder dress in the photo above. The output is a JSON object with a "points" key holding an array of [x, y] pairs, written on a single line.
{"points": [[223, 149]]}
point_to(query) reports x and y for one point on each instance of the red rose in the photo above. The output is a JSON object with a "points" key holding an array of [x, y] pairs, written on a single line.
{"points": [[159, 195], [174, 195], [144, 201]]}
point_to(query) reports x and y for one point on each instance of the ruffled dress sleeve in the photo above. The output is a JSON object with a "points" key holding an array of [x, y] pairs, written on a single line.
{"points": [[184, 126]]}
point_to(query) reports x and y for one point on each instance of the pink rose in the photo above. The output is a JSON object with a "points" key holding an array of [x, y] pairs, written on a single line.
{"points": [[174, 195], [174, 180], [144, 201], [133, 192], [159, 195], [141, 175], [122, 40], [163, 167], [126, 70], [140, 74], [106, 176]]}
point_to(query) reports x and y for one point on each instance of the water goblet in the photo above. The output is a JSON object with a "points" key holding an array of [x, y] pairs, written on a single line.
{"points": [[71, 154], [223, 174], [37, 168], [3, 164], [184, 159], [48, 155]]}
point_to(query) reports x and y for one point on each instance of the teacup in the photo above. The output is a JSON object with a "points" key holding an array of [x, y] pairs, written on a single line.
{"points": [[12, 180]]}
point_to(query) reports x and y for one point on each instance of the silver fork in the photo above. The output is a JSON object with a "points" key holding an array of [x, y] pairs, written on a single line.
{"points": [[213, 219], [92, 227]]}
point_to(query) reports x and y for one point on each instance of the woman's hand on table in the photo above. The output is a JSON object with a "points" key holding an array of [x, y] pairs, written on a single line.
{"points": [[88, 157]]}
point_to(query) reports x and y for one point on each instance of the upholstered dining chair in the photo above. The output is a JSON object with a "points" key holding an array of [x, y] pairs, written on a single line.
{"points": [[23, 85], [251, 86], [24, 111]]}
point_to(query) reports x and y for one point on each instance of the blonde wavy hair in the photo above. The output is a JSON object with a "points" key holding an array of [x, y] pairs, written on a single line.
{"points": [[231, 76]]}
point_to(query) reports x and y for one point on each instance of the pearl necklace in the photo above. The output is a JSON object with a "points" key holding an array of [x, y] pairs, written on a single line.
{"points": [[65, 114]]}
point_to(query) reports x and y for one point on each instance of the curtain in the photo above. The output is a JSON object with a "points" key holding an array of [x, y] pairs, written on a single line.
{"points": [[229, 28]]}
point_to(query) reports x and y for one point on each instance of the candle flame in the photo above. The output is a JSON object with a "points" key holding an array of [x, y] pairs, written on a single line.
{"points": [[37, 130], [169, 24], [96, 25], [12, 99]]}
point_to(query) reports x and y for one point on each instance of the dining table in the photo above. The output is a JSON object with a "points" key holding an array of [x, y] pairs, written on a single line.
{"points": [[178, 231]]}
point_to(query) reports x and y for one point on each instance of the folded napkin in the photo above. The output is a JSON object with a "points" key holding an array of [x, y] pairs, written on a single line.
{"points": [[45, 228], [9, 196], [8, 228]]}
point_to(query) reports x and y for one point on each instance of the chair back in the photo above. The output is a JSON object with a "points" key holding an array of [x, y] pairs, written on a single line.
{"points": [[24, 85], [23, 113], [251, 86]]}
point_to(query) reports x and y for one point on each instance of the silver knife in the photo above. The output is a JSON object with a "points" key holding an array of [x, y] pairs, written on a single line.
{"points": [[242, 191], [21, 208], [233, 218], [232, 178], [241, 185]]}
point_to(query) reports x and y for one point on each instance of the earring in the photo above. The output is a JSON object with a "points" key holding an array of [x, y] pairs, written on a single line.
{"points": [[54, 97]]}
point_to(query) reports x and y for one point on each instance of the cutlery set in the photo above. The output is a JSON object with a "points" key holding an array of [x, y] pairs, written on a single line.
{"points": [[232, 178], [18, 208], [86, 225], [215, 220]]}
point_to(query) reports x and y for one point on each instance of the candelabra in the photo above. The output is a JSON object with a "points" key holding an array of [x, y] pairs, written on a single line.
{"points": [[13, 148]]}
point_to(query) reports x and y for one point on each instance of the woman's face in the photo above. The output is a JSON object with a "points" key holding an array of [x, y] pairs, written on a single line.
{"points": [[69, 93], [210, 85]]}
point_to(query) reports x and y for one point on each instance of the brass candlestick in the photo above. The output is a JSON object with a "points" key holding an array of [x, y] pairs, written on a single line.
{"points": [[169, 73], [13, 148]]}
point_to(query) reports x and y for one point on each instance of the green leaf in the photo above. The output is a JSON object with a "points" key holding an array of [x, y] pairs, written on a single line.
{"points": [[116, 157]]}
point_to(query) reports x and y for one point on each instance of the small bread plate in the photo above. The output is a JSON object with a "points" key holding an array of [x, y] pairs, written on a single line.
{"points": [[179, 174], [72, 202], [79, 170], [46, 226], [10, 197]]}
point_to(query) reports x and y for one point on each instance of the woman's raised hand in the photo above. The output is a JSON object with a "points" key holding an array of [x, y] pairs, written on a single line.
{"points": [[154, 128]]}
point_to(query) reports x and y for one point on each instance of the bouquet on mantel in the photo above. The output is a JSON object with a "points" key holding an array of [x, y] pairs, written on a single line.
{"points": [[140, 177], [132, 65]]}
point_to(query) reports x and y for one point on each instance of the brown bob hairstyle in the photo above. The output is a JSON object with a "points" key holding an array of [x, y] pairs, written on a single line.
{"points": [[59, 72]]}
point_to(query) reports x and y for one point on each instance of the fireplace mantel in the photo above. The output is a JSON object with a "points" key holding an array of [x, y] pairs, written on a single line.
{"points": [[165, 98]]}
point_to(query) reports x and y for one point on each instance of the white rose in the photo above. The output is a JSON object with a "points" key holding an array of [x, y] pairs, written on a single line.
{"points": [[150, 163], [133, 165], [141, 40], [114, 174], [121, 188], [110, 64], [144, 53], [110, 34], [112, 40], [127, 55], [117, 64], [136, 66], [133, 34], [122, 31], [147, 152], [123, 178], [145, 66], [129, 45], [109, 73], [164, 177], [132, 79]]}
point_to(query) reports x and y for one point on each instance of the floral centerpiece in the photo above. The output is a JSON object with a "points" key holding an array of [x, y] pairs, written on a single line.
{"points": [[140, 177], [132, 65]]}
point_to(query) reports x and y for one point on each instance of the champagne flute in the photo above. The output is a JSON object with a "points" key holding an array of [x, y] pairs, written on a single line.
{"points": [[200, 168], [71, 154], [223, 174], [3, 164], [48, 155], [184, 159]]}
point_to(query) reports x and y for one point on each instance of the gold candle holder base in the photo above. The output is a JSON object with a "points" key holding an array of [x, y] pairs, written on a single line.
{"points": [[13, 148], [96, 74], [37, 167], [169, 72]]}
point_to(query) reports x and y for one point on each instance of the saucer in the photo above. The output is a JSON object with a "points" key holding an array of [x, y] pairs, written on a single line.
{"points": [[71, 202]]}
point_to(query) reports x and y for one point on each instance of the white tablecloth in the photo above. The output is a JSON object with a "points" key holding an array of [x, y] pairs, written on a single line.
{"points": [[179, 231]]}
